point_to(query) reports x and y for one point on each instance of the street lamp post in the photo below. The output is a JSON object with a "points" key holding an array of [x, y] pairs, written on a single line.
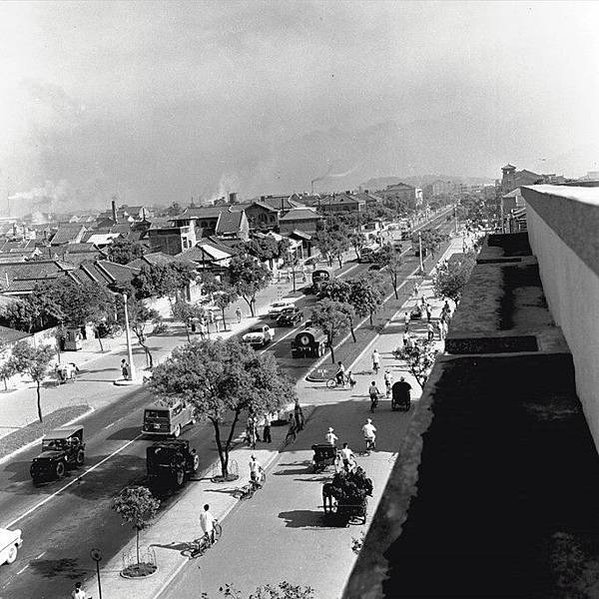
{"points": [[420, 252], [128, 337]]}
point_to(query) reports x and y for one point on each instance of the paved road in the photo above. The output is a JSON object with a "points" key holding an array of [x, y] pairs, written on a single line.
{"points": [[63, 520]]}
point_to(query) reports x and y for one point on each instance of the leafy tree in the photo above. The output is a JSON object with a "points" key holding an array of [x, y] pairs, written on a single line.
{"points": [[358, 242], [222, 292], [331, 317], [247, 277], [34, 362], [185, 313], [222, 379], [451, 277], [136, 506], [390, 262], [340, 291], [366, 296], [33, 313], [7, 370], [123, 251], [420, 358], [76, 303], [264, 249], [332, 238], [163, 280], [431, 240]]}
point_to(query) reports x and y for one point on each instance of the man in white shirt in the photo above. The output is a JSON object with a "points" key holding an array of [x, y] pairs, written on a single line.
{"points": [[331, 437], [255, 470], [347, 457], [369, 432], [207, 523], [376, 361]]}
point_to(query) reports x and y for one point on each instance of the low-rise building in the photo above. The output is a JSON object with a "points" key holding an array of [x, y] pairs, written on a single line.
{"points": [[402, 194], [299, 219]]}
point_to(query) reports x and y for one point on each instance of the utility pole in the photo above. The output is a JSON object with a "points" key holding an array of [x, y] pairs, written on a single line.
{"points": [[128, 337], [420, 252]]}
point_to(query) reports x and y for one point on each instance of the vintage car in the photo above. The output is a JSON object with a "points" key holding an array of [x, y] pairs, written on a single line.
{"points": [[289, 317], [309, 343], [171, 463], [62, 449], [275, 309], [164, 419], [259, 335], [10, 541]]}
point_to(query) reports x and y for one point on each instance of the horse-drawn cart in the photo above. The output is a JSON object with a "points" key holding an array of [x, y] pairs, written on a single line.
{"points": [[325, 455]]}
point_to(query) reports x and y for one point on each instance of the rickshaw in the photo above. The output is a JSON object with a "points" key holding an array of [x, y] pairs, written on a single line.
{"points": [[400, 396], [324, 455]]}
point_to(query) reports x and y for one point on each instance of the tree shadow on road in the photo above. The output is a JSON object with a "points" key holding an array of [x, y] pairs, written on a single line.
{"points": [[125, 434], [304, 519], [65, 567]]}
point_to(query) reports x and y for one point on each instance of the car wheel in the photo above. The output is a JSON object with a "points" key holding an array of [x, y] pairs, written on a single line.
{"points": [[12, 555], [179, 478], [80, 458], [177, 431], [196, 463], [60, 470]]}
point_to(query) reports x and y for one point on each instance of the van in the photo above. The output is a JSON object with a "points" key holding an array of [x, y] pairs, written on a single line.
{"points": [[163, 419]]}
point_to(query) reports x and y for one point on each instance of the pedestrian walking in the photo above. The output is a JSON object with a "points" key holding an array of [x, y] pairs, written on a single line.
{"points": [[415, 290], [291, 431], [373, 393], [429, 312], [207, 523], [445, 328], [430, 332], [388, 382], [239, 314], [299, 415], [440, 329], [250, 433], [78, 592], [331, 437], [255, 470], [125, 370], [406, 340], [266, 430], [376, 361], [406, 321]]}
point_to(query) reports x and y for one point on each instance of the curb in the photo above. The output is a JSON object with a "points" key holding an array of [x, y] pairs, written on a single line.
{"points": [[226, 512]]}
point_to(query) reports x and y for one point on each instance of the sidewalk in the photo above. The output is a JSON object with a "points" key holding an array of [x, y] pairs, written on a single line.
{"points": [[279, 533]]}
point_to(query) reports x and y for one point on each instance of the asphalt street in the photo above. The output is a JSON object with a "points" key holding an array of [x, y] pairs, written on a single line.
{"points": [[63, 520]]}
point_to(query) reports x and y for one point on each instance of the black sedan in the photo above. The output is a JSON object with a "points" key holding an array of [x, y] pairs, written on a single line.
{"points": [[290, 317]]}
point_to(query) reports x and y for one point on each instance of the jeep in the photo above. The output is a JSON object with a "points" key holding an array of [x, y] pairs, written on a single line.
{"points": [[171, 463], [62, 449]]}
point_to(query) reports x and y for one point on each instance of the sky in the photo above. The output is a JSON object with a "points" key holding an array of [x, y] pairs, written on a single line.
{"points": [[156, 102]]}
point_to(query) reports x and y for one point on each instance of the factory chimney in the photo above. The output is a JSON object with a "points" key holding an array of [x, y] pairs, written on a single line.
{"points": [[114, 217]]}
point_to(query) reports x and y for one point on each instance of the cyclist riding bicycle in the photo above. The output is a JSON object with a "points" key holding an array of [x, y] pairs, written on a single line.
{"points": [[373, 392], [340, 374], [369, 432]]}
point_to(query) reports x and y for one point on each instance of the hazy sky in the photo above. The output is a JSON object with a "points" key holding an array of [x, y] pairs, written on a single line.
{"points": [[157, 101]]}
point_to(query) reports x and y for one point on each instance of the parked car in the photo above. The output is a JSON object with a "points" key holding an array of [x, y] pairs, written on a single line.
{"points": [[163, 419], [10, 541], [275, 309], [62, 449], [171, 463], [289, 317], [259, 335]]}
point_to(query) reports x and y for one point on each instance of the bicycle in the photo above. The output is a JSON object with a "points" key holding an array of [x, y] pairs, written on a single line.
{"points": [[199, 546], [374, 402], [370, 445], [248, 490], [333, 383]]}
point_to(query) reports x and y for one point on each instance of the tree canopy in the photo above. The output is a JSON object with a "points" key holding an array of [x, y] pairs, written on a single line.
{"points": [[451, 277], [123, 251], [221, 379], [332, 318], [248, 277], [163, 280], [389, 259]]}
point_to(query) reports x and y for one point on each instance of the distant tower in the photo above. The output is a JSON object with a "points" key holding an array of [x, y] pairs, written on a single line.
{"points": [[508, 181]]}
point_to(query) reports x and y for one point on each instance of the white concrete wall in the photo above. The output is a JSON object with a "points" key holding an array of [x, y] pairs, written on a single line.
{"points": [[572, 292]]}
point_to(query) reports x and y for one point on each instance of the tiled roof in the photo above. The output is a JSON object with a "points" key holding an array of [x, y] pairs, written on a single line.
{"points": [[123, 228], [34, 271], [399, 186], [205, 251], [200, 212], [229, 222], [8, 335], [152, 259], [102, 238], [67, 233], [300, 214], [278, 202], [340, 198], [104, 272]]}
